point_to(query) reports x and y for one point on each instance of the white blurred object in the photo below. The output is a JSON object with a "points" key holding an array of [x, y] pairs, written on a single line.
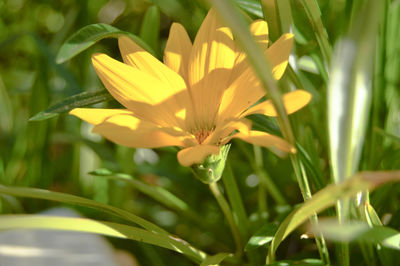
{"points": [[49, 247], [145, 155]]}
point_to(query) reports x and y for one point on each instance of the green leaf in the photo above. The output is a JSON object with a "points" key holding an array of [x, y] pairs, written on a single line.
{"points": [[236, 201], [326, 198], [340, 232], [314, 15], [75, 101], [278, 14], [71, 199], [384, 236], [285, 15], [261, 237], [265, 123], [150, 28], [270, 10], [369, 215], [305, 262], [215, 259], [251, 6], [89, 35], [350, 93], [386, 134], [99, 227], [356, 230], [159, 194], [310, 165]]}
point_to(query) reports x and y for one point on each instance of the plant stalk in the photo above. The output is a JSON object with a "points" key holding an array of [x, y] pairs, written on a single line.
{"points": [[223, 204]]}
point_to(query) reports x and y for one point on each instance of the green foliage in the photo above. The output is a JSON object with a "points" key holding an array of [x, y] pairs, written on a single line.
{"points": [[79, 100], [346, 54], [88, 36]]}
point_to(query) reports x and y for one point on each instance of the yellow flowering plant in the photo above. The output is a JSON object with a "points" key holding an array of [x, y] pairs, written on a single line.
{"points": [[197, 99]]}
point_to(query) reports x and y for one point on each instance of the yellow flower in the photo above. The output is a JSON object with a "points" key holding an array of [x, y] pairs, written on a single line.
{"points": [[197, 99]]}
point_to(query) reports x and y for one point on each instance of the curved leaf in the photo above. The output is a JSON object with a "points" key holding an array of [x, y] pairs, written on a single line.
{"points": [[215, 259], [361, 231], [100, 227], [327, 197], [262, 237], [75, 101], [159, 194], [89, 35], [71, 199], [251, 6], [150, 28]]}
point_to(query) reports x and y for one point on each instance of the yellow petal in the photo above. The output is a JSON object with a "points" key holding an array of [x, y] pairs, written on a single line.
{"points": [[259, 29], [177, 50], [145, 95], [265, 140], [127, 130], [246, 89], [211, 60], [134, 55], [196, 154], [97, 116], [240, 95], [278, 54], [223, 130], [293, 101]]}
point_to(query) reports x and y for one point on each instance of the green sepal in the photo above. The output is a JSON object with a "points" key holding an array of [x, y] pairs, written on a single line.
{"points": [[210, 171]]}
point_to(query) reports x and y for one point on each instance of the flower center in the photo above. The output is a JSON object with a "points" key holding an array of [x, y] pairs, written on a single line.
{"points": [[202, 135]]}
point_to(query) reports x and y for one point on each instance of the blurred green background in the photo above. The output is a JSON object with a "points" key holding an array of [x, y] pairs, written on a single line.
{"points": [[58, 154]]}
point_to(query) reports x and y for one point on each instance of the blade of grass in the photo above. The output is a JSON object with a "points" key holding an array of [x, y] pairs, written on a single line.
{"points": [[229, 216], [236, 22], [270, 11], [72, 199], [236, 201], [159, 194], [349, 95], [150, 28], [75, 101], [100, 227], [314, 15], [327, 197]]}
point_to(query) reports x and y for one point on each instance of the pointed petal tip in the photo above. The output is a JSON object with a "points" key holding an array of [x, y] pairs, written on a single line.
{"points": [[289, 35], [72, 112], [97, 57]]}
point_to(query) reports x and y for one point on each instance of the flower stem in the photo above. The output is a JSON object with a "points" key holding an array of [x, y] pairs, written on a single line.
{"points": [[223, 204], [306, 193], [265, 178]]}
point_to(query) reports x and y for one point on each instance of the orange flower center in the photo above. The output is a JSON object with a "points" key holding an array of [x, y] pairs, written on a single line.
{"points": [[202, 135]]}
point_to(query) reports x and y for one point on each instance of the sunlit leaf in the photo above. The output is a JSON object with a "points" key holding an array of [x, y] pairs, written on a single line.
{"points": [[89, 35], [327, 197], [75, 101], [71, 199], [314, 15], [215, 259], [99, 227], [261, 237], [356, 230], [251, 6], [341, 232], [305, 262], [159, 194]]}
